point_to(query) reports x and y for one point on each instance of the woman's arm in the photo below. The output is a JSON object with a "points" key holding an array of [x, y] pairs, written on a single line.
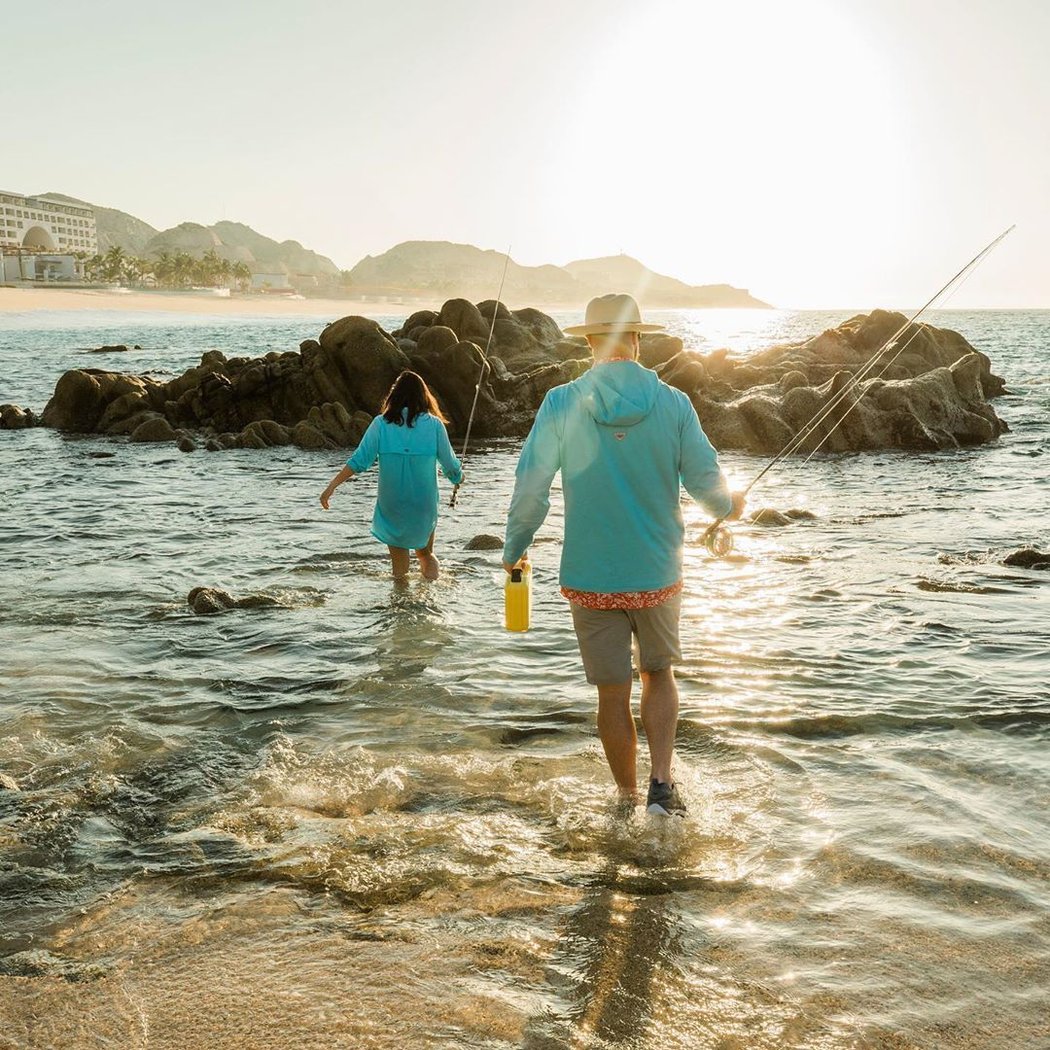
{"points": [[364, 456], [344, 475], [451, 467]]}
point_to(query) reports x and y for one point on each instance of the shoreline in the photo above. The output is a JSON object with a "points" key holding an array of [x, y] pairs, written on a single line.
{"points": [[33, 300]]}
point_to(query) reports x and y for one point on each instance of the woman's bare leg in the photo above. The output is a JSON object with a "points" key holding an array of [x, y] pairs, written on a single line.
{"points": [[429, 566], [399, 562]]}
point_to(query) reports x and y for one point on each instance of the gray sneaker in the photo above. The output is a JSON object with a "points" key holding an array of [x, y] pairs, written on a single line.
{"points": [[664, 800]]}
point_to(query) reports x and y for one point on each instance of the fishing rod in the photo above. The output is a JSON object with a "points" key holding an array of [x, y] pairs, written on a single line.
{"points": [[717, 538], [481, 375]]}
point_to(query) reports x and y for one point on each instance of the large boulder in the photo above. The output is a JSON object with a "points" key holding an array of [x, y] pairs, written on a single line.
{"points": [[360, 360], [82, 396], [464, 318]]}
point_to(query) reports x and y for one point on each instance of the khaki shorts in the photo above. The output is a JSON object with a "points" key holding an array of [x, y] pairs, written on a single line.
{"points": [[605, 637]]}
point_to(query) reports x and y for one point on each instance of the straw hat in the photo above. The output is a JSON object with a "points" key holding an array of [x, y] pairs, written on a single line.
{"points": [[612, 314]]}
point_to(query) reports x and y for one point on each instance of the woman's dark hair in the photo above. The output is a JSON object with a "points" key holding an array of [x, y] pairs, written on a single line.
{"points": [[409, 391]]}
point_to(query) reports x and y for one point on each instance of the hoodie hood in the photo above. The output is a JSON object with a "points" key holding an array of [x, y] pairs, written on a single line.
{"points": [[619, 393]]}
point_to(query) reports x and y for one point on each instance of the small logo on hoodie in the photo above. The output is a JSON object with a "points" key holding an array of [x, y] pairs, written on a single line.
{"points": [[620, 435]]}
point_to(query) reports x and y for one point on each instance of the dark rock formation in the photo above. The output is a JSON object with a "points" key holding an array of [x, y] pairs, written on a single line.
{"points": [[117, 348], [934, 395], [325, 395]]}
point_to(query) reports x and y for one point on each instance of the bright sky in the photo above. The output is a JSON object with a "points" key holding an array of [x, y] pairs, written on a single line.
{"points": [[822, 153]]}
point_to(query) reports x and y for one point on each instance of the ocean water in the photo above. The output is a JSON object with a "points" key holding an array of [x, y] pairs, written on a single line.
{"points": [[369, 817]]}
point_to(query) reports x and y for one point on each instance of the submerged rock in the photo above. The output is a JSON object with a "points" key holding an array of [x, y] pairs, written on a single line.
{"points": [[933, 396], [769, 516], [485, 542], [117, 348], [1028, 558], [204, 600], [40, 963], [772, 517]]}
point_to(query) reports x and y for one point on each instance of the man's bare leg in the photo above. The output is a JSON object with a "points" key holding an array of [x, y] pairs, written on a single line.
{"points": [[660, 720], [618, 734], [429, 566], [398, 562]]}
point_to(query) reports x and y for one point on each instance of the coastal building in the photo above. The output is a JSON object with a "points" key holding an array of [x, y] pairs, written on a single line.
{"points": [[40, 238], [271, 282]]}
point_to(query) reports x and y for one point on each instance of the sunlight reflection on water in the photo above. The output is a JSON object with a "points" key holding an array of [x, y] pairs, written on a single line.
{"points": [[261, 815]]}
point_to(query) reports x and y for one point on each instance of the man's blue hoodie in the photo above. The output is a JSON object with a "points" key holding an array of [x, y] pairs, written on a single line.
{"points": [[623, 441]]}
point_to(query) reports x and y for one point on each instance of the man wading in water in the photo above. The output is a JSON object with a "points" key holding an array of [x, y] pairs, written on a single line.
{"points": [[624, 442]]}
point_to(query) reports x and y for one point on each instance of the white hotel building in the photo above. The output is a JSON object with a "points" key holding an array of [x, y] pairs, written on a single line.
{"points": [[38, 237]]}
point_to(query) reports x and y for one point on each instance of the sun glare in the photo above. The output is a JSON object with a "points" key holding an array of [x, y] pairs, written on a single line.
{"points": [[747, 129]]}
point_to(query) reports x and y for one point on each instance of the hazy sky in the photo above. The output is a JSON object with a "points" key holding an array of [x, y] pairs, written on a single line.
{"points": [[819, 152]]}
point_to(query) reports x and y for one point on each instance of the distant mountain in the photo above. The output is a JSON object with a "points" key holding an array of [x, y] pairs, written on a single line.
{"points": [[114, 228], [413, 269], [622, 273], [443, 269], [231, 240], [240, 243]]}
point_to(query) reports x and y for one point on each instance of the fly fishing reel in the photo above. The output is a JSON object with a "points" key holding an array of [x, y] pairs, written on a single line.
{"points": [[718, 539]]}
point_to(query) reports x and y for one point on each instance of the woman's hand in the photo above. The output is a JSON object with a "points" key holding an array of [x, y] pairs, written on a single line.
{"points": [[344, 475]]}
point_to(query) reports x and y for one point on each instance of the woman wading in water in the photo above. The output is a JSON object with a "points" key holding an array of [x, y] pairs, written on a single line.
{"points": [[409, 440]]}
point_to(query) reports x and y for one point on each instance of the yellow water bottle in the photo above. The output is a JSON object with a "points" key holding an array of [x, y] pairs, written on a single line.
{"points": [[517, 598]]}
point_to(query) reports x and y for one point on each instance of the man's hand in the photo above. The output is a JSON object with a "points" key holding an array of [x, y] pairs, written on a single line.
{"points": [[739, 499], [325, 497], [519, 564]]}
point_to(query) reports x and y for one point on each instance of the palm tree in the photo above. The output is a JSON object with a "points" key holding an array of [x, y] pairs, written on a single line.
{"points": [[164, 268], [93, 268], [184, 265], [242, 274], [113, 263]]}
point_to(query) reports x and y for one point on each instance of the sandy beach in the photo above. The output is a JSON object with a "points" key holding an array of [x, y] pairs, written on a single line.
{"points": [[27, 300]]}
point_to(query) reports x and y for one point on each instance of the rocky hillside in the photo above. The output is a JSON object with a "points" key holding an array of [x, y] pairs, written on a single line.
{"points": [[240, 243], [441, 268]]}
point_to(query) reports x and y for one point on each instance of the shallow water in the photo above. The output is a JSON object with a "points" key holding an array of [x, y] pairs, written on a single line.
{"points": [[369, 817]]}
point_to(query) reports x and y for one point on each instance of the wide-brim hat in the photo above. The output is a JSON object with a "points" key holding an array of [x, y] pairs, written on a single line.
{"points": [[611, 315]]}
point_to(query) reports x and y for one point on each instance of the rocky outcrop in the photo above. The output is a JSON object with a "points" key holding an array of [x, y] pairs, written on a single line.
{"points": [[933, 395], [326, 394]]}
